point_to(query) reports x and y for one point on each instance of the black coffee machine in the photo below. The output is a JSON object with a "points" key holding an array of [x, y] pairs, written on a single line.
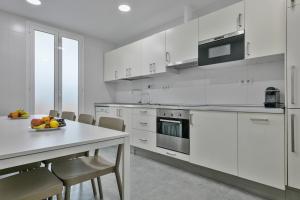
{"points": [[272, 98]]}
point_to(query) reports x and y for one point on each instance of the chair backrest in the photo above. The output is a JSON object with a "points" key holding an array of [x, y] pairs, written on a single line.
{"points": [[112, 123], [54, 113], [86, 119], [68, 115], [20, 168]]}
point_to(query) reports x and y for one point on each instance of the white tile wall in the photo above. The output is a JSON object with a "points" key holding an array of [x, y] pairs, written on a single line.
{"points": [[219, 84]]}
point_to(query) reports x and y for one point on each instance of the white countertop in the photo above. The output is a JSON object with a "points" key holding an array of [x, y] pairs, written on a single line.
{"points": [[224, 108], [18, 139]]}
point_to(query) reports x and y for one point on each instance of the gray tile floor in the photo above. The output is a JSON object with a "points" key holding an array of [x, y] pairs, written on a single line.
{"points": [[151, 180]]}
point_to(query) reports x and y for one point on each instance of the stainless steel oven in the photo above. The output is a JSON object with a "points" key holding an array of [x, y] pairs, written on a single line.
{"points": [[173, 130], [221, 49]]}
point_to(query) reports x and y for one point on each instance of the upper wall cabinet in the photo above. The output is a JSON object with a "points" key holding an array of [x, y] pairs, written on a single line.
{"points": [[132, 59], [154, 54], [221, 22], [112, 61], [182, 43], [293, 59], [264, 27]]}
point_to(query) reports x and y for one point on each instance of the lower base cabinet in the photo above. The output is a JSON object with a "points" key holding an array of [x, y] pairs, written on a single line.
{"points": [[294, 148], [261, 148], [214, 140], [143, 139]]}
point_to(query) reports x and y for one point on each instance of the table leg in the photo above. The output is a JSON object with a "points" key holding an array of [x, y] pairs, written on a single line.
{"points": [[126, 169]]}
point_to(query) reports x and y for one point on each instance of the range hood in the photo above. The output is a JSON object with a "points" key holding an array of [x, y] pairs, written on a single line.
{"points": [[184, 64]]}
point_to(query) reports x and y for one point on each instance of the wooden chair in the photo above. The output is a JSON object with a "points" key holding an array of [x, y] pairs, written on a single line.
{"points": [[68, 115], [33, 185], [75, 171], [21, 168], [54, 113]]}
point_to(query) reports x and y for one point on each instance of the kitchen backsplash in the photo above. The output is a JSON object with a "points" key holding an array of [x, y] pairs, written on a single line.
{"points": [[230, 83]]}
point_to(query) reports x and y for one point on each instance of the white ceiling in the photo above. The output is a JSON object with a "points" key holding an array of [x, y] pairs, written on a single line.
{"points": [[101, 18]]}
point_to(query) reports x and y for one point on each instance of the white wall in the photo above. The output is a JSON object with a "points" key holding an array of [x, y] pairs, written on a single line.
{"points": [[218, 84], [13, 66]]}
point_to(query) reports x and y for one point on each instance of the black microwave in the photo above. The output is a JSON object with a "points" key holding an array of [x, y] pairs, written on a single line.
{"points": [[221, 49]]}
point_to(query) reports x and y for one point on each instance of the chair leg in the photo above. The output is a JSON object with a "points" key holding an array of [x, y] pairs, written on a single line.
{"points": [[67, 192], [100, 187], [94, 187], [119, 183], [59, 196]]}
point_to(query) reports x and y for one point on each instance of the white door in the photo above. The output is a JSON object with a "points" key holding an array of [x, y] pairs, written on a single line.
{"points": [[265, 27], [261, 148], [182, 43], [293, 58], [221, 22], [294, 148], [154, 54], [214, 140], [56, 72]]}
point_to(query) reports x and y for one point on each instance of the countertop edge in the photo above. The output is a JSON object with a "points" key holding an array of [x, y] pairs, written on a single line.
{"points": [[221, 108]]}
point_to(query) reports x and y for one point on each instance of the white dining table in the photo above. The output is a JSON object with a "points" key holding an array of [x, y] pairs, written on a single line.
{"points": [[19, 144]]}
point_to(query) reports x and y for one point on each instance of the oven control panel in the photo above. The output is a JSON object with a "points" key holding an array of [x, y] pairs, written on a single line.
{"points": [[176, 114]]}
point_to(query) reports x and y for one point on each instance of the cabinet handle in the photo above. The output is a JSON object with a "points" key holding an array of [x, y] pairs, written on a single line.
{"points": [[143, 140], [248, 49], [143, 123], [293, 133], [168, 57], [259, 120], [293, 3], [239, 21], [153, 67], [191, 119], [293, 84], [116, 74], [171, 154]]}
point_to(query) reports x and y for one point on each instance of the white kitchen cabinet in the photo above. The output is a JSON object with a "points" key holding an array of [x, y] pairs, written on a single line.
{"points": [[293, 58], [143, 140], [182, 43], [154, 54], [132, 59], [261, 148], [213, 137], [265, 27], [172, 154], [294, 148], [110, 66], [227, 20]]}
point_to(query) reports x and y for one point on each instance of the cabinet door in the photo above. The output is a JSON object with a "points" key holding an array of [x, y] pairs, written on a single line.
{"points": [[132, 59], [264, 27], [109, 66], [294, 148], [182, 43], [154, 54], [125, 114], [214, 140], [221, 22], [261, 148], [104, 112], [293, 58]]}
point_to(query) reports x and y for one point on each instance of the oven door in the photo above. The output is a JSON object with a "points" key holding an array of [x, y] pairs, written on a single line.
{"points": [[222, 49], [173, 134]]}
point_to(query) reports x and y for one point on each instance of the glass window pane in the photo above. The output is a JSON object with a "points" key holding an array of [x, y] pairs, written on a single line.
{"points": [[70, 75], [44, 72]]}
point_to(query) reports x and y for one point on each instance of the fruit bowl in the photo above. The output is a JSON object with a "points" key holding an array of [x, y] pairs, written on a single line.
{"points": [[47, 123], [19, 114]]}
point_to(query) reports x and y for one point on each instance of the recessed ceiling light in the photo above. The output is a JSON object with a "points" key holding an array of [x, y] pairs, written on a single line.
{"points": [[34, 2], [124, 8]]}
